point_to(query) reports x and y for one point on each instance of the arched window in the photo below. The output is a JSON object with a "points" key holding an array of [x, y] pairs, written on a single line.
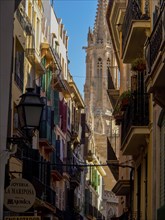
{"points": [[108, 63], [99, 79]]}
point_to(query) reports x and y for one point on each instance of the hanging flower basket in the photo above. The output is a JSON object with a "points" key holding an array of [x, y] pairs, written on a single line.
{"points": [[139, 64]]}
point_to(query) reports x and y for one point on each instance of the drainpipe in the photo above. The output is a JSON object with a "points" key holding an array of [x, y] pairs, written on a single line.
{"points": [[131, 188]]}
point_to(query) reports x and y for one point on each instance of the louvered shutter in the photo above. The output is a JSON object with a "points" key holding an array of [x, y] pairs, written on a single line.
{"points": [[49, 124], [64, 117], [58, 148], [56, 107], [49, 77]]}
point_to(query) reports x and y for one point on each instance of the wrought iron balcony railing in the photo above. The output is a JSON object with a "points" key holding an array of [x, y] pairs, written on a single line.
{"points": [[156, 40], [133, 12], [136, 114], [19, 69], [58, 166], [59, 213], [56, 56], [44, 192], [24, 22]]}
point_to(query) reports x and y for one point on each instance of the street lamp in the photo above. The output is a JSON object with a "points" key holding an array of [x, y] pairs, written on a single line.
{"points": [[29, 114], [30, 110]]}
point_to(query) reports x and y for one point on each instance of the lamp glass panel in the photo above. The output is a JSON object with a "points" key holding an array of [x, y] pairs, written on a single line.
{"points": [[21, 116], [33, 114]]}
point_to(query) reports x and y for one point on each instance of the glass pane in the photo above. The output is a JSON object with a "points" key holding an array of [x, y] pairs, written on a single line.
{"points": [[33, 114]]}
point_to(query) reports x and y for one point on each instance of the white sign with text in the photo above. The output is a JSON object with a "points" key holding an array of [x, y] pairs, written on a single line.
{"points": [[19, 195]]}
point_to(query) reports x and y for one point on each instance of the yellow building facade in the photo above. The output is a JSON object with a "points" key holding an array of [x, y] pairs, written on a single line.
{"points": [[133, 26]]}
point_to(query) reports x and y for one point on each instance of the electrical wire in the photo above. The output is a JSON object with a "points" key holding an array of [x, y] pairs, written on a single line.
{"points": [[79, 165]]}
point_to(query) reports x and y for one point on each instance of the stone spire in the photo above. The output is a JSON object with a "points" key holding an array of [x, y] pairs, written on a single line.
{"points": [[90, 36], [100, 21]]}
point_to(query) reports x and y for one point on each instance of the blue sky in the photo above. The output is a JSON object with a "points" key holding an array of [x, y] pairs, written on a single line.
{"points": [[77, 16]]}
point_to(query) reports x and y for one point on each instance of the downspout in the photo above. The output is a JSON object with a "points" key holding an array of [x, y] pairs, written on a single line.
{"points": [[131, 188]]}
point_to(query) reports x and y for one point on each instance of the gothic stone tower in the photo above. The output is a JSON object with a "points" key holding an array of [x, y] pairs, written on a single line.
{"points": [[99, 57]]}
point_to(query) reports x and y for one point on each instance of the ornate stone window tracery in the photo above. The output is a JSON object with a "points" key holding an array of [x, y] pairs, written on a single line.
{"points": [[99, 79]]}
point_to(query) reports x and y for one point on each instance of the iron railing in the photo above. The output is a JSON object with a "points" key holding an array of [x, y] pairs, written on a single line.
{"points": [[156, 40], [75, 174], [56, 56], [133, 12], [136, 114], [44, 192], [18, 81], [19, 69], [59, 213], [24, 22], [58, 165]]}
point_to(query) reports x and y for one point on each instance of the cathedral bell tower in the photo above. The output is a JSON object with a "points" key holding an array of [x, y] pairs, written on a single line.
{"points": [[99, 59]]}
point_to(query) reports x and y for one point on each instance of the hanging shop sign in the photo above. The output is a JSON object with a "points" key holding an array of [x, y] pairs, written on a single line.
{"points": [[19, 195], [22, 218]]}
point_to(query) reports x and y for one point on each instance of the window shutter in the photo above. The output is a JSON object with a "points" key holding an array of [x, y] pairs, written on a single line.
{"points": [[64, 117], [58, 148], [56, 107]]}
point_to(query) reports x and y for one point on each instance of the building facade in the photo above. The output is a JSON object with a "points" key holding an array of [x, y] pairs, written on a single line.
{"points": [[134, 27], [51, 159]]}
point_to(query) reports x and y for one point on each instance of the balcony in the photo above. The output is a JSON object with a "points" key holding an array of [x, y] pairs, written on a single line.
{"points": [[57, 170], [59, 213], [22, 26], [135, 123], [75, 177], [115, 15], [44, 192], [45, 136], [76, 130], [24, 21], [135, 28], [122, 187], [56, 57], [19, 69], [34, 58], [155, 56], [89, 210]]}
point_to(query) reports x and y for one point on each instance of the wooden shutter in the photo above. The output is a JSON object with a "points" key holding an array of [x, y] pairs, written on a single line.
{"points": [[56, 107]]}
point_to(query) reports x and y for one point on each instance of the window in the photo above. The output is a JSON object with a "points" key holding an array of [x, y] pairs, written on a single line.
{"points": [[19, 66], [99, 79]]}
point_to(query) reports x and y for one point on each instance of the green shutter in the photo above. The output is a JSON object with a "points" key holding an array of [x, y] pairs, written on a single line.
{"points": [[43, 83], [43, 61], [98, 180]]}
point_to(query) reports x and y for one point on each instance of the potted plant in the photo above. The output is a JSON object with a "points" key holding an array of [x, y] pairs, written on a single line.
{"points": [[117, 113], [139, 64], [125, 99]]}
